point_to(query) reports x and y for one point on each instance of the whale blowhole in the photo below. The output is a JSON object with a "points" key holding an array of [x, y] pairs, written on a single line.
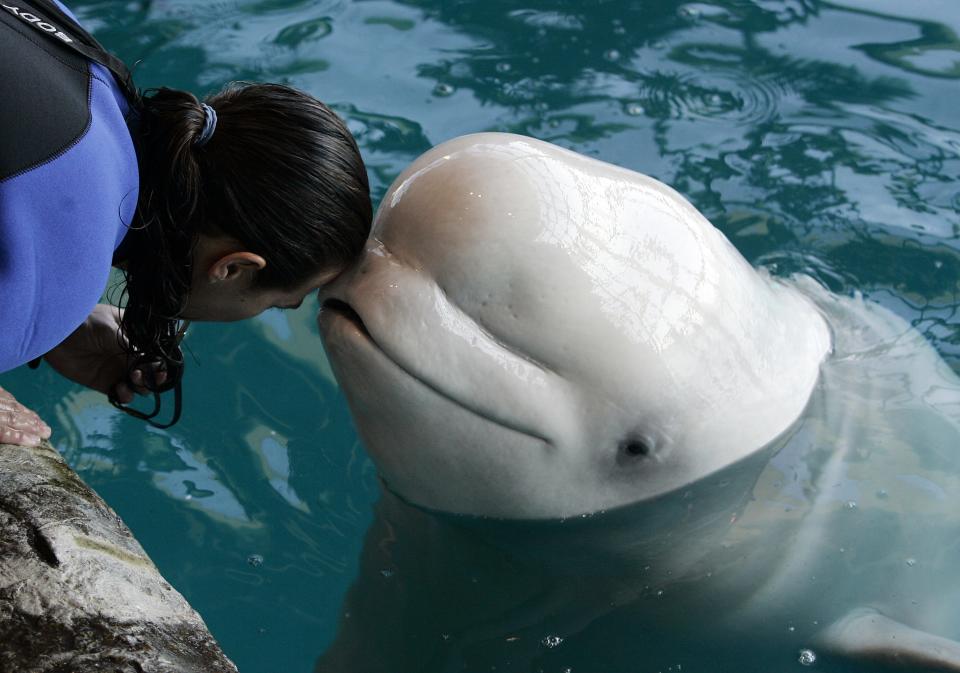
{"points": [[635, 448]]}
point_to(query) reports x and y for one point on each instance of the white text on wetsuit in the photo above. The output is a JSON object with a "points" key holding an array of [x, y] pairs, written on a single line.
{"points": [[37, 22]]}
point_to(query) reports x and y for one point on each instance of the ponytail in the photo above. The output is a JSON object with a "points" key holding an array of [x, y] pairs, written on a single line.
{"points": [[280, 173]]}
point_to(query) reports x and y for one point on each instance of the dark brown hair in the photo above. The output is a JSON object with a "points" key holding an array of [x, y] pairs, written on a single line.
{"points": [[281, 173]]}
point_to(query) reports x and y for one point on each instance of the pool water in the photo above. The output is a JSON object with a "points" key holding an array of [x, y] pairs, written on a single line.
{"points": [[821, 137]]}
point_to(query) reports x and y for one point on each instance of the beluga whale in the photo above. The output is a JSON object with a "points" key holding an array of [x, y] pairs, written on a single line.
{"points": [[565, 361]]}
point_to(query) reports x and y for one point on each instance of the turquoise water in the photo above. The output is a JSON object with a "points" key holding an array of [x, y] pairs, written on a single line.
{"points": [[821, 137]]}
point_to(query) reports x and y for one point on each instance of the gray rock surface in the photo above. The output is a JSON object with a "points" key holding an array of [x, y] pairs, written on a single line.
{"points": [[77, 591]]}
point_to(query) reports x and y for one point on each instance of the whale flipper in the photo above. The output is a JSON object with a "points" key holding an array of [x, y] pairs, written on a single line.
{"points": [[867, 635]]}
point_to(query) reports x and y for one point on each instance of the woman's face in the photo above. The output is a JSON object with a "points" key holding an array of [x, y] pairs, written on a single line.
{"points": [[224, 287], [223, 302]]}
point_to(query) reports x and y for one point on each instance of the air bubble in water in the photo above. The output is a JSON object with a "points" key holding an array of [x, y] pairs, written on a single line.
{"points": [[911, 562], [443, 90], [551, 641], [807, 657], [611, 55], [255, 560], [634, 109], [503, 67], [851, 504]]}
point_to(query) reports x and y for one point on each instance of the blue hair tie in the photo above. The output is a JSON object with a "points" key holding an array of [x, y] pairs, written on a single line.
{"points": [[209, 125]]}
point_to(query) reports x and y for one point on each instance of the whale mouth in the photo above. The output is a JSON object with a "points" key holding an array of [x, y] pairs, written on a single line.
{"points": [[336, 311], [343, 311]]}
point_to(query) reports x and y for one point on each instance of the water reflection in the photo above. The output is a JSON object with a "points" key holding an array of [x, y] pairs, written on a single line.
{"points": [[195, 482], [276, 464], [936, 53]]}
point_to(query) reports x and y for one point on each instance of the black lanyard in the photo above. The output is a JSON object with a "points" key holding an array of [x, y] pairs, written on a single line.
{"points": [[48, 19]]}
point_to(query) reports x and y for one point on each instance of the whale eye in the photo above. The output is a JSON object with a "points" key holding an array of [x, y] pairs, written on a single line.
{"points": [[635, 447]]}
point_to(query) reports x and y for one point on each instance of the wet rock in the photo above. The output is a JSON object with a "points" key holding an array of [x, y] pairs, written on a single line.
{"points": [[77, 592]]}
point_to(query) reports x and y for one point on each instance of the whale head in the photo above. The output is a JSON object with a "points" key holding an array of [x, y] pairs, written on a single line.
{"points": [[532, 333]]}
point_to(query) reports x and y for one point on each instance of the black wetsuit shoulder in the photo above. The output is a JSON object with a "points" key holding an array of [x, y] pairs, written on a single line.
{"points": [[44, 96]]}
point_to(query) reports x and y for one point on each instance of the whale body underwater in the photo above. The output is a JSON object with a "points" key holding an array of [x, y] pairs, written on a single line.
{"points": [[564, 361]]}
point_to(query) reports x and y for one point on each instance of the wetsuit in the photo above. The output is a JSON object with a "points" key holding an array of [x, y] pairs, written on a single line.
{"points": [[68, 183]]}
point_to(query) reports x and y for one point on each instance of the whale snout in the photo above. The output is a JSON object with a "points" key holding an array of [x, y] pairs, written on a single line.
{"points": [[338, 310]]}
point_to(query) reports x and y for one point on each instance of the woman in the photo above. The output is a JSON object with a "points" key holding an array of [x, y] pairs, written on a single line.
{"points": [[214, 211]]}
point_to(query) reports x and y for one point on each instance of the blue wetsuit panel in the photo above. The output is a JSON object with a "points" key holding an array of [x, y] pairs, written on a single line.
{"points": [[67, 208]]}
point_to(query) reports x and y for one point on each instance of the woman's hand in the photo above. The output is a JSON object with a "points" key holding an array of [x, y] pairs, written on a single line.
{"points": [[19, 425], [94, 356]]}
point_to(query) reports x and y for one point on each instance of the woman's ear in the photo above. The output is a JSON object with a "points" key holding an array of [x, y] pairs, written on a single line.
{"points": [[234, 265]]}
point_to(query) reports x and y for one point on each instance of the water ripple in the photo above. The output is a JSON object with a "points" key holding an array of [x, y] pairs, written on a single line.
{"points": [[727, 96]]}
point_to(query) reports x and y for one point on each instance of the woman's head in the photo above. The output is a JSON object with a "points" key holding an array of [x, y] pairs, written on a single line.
{"points": [[273, 204]]}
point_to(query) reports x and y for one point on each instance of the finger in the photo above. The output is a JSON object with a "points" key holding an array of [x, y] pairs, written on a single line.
{"points": [[9, 404], [137, 383], [18, 437], [144, 382], [33, 425], [42, 429], [19, 420], [122, 393], [17, 410]]}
